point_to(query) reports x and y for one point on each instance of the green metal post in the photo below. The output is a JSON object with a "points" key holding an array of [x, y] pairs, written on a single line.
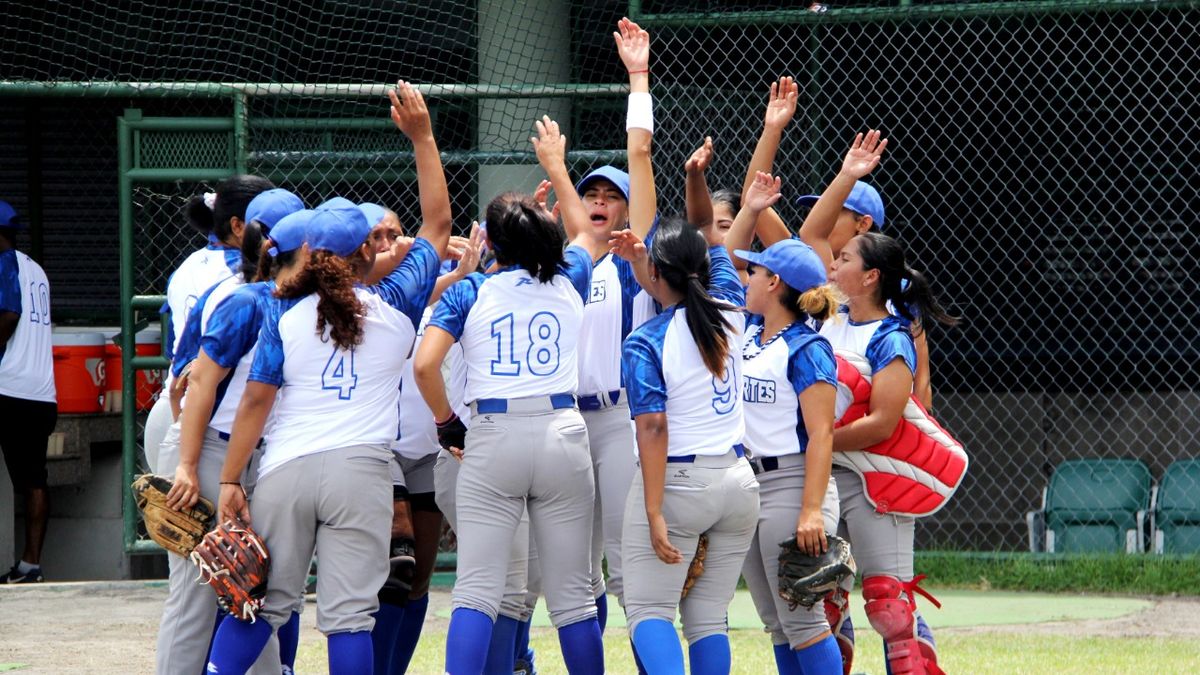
{"points": [[128, 399], [241, 141]]}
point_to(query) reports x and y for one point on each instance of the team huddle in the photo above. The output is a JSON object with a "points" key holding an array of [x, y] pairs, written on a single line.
{"points": [[599, 398]]}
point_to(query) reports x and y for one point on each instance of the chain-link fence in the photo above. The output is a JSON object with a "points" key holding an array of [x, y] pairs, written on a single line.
{"points": [[1039, 169]]}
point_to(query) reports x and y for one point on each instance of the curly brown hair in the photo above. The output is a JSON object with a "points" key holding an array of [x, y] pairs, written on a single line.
{"points": [[330, 277]]}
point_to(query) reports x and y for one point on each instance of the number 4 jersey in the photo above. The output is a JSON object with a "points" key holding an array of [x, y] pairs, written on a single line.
{"points": [[26, 362], [519, 336]]}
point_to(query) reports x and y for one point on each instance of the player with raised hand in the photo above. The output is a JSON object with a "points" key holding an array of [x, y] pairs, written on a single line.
{"points": [[328, 367], [790, 377], [884, 295]]}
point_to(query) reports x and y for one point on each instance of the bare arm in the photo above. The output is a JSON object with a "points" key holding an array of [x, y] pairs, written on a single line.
{"points": [[411, 116], [427, 371], [781, 107], [389, 260], [652, 451], [255, 406], [468, 262], [890, 389], [817, 403], [633, 46], [763, 192], [204, 377], [922, 386], [862, 158], [551, 148], [697, 199], [626, 245]]}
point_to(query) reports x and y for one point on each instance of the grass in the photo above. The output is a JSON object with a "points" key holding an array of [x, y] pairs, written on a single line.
{"points": [[1049, 573], [982, 654]]}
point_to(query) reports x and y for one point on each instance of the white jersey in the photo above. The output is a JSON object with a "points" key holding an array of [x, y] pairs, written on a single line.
{"points": [[199, 272], [417, 435], [773, 375], [519, 336], [665, 373], [330, 397], [27, 360], [879, 342]]}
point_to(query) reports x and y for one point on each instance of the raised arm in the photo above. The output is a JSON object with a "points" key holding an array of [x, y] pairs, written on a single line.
{"points": [[468, 262], [410, 115], [862, 158], [696, 196], [781, 107], [627, 246], [763, 193], [551, 148], [633, 45]]}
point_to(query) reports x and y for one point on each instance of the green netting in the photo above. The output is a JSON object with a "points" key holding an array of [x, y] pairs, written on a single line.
{"points": [[1039, 169]]}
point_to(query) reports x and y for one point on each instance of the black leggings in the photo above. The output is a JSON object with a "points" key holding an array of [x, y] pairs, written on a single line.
{"points": [[25, 428]]}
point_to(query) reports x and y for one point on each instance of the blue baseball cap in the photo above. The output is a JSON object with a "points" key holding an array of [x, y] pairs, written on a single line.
{"points": [[864, 199], [336, 203], [9, 217], [290, 232], [793, 260], [339, 230], [373, 212], [609, 173], [268, 207]]}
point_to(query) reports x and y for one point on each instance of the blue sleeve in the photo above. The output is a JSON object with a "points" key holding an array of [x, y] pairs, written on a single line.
{"points": [[810, 363], [409, 286], [641, 366], [724, 282], [232, 329], [891, 342], [268, 358], [10, 283], [450, 314], [189, 342], [577, 266]]}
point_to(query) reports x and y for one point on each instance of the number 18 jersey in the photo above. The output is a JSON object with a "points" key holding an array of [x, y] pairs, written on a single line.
{"points": [[519, 336]]}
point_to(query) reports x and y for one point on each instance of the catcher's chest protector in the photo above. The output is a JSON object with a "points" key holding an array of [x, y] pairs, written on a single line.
{"points": [[916, 470]]}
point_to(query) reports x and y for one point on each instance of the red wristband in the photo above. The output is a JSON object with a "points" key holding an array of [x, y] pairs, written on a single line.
{"points": [[638, 72]]}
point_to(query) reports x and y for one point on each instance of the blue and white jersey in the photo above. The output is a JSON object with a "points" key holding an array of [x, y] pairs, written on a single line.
{"points": [[608, 319], [879, 342], [520, 337], [664, 373], [199, 272], [232, 318], [330, 397], [417, 435], [773, 375], [27, 360]]}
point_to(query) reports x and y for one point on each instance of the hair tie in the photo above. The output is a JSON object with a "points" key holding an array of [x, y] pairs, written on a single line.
{"points": [[694, 275], [210, 200]]}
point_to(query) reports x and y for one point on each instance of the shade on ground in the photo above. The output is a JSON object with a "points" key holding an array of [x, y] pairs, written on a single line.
{"points": [[959, 608]]}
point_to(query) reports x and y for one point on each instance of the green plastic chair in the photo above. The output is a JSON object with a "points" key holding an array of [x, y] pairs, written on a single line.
{"points": [[1177, 516], [1097, 506]]}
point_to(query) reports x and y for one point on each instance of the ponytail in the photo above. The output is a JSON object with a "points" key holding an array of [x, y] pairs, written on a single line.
{"points": [[254, 247], [918, 299], [523, 234], [818, 302], [681, 256], [198, 214], [914, 302], [211, 213], [338, 308]]}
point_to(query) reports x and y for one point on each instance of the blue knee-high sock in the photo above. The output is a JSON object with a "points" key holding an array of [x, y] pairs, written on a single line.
{"points": [[502, 650], [350, 653], [467, 641], [785, 661], [582, 647], [289, 641], [237, 645], [408, 635], [221, 614], [822, 658], [710, 656], [602, 611], [383, 635], [523, 651], [637, 660], [658, 647]]}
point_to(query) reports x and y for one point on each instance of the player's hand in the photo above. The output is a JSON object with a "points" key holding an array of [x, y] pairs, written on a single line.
{"points": [[409, 112], [633, 45], [626, 245], [401, 247], [232, 504], [763, 193], [781, 105], [542, 194], [550, 144], [185, 490], [810, 533], [472, 253], [701, 159], [864, 154], [663, 548]]}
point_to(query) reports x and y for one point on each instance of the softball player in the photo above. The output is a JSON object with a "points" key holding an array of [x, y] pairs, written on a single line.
{"points": [[870, 272], [790, 380], [324, 478], [230, 316], [220, 216], [519, 331]]}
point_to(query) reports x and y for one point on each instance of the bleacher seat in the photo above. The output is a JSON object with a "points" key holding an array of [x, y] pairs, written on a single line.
{"points": [[1177, 514], [1093, 506]]}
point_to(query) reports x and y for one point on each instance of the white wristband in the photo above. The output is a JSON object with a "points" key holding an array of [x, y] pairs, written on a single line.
{"points": [[641, 112]]}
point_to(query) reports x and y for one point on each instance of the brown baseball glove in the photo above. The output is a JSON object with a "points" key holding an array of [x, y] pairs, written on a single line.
{"points": [[176, 531], [234, 561], [697, 566]]}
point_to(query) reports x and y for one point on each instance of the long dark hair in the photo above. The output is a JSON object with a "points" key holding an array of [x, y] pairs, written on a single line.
{"points": [[917, 303], [523, 234], [729, 198], [254, 249], [332, 278], [268, 265], [681, 256], [233, 196]]}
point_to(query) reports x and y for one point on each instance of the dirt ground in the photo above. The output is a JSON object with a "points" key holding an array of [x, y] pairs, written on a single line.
{"points": [[110, 627]]}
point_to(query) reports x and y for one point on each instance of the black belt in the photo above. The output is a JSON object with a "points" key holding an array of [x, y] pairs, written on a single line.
{"points": [[225, 437], [738, 449]]}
